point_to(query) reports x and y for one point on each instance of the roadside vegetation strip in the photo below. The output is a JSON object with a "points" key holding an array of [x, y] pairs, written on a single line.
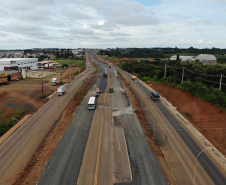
{"points": [[71, 62], [6, 121], [199, 80], [152, 142], [37, 164]]}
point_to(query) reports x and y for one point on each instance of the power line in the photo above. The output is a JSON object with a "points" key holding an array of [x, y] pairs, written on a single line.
{"points": [[202, 73]]}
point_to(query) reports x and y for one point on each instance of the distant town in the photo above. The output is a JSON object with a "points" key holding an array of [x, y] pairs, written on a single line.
{"points": [[43, 54]]}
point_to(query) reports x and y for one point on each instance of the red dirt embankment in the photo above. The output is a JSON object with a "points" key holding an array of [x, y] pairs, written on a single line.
{"points": [[207, 118]]}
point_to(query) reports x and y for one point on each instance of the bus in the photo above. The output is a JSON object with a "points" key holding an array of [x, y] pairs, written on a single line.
{"points": [[92, 103]]}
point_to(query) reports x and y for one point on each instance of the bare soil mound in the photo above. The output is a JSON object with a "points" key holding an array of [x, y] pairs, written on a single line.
{"points": [[207, 118]]}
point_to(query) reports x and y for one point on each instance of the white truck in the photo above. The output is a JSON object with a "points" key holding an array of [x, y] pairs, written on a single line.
{"points": [[54, 81], [60, 90]]}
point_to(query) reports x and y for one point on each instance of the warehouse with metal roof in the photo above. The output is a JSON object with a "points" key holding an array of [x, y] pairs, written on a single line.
{"points": [[18, 63]]}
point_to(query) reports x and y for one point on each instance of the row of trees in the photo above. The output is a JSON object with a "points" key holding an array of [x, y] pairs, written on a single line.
{"points": [[197, 78], [161, 52], [64, 53]]}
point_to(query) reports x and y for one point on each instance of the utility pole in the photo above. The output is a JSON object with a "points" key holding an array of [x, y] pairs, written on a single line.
{"points": [[42, 88], [183, 75], [79, 67], [61, 74], [220, 82], [165, 72], [70, 72]]}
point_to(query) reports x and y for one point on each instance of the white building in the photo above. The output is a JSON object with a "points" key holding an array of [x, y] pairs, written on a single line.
{"points": [[207, 59], [45, 64], [183, 58], [18, 63]]}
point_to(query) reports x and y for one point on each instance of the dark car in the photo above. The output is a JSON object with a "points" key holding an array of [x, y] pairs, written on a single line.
{"points": [[155, 96]]}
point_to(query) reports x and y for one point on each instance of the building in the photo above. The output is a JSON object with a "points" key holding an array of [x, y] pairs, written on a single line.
{"points": [[14, 75], [184, 58], [45, 65], [18, 63], [6, 76], [3, 77], [207, 59]]}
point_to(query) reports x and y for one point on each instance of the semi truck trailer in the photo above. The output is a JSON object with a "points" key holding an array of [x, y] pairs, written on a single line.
{"points": [[60, 90]]}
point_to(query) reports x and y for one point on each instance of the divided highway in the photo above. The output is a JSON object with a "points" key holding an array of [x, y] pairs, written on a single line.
{"points": [[114, 148]]}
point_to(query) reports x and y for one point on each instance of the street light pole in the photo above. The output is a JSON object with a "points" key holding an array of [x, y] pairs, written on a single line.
{"points": [[165, 72], [22, 133], [197, 161]]}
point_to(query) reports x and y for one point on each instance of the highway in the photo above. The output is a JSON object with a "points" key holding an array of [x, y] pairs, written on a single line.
{"points": [[183, 143], [16, 151], [116, 151]]}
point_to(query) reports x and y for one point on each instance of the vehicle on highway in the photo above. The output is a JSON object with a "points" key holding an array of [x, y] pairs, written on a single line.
{"points": [[54, 81], [105, 75], [123, 91], [97, 92], [92, 103], [111, 90], [60, 90], [155, 96], [134, 78]]}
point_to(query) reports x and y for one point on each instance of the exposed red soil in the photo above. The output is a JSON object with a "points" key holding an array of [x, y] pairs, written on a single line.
{"points": [[207, 118]]}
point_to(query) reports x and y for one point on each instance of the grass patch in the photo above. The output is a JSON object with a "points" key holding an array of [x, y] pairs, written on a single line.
{"points": [[188, 115], [110, 58], [6, 122], [220, 56], [71, 62], [41, 97], [61, 83], [50, 76], [2, 112]]}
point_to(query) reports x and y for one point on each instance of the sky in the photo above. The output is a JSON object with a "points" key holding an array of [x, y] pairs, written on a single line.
{"points": [[28, 24]]}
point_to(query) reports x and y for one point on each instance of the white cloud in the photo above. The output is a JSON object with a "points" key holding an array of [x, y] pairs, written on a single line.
{"points": [[112, 23]]}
